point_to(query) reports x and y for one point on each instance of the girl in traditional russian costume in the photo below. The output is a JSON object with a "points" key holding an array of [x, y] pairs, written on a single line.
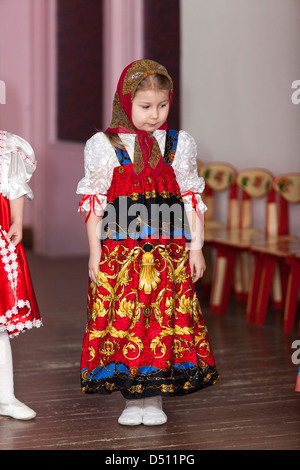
{"points": [[19, 311], [145, 334]]}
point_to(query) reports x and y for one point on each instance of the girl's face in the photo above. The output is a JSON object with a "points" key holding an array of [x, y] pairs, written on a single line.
{"points": [[150, 109]]}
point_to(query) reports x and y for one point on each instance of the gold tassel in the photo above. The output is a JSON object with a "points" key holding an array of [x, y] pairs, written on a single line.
{"points": [[149, 276]]}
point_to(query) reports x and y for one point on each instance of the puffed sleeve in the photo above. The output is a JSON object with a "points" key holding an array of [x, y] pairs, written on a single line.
{"points": [[99, 163], [21, 166], [186, 172]]}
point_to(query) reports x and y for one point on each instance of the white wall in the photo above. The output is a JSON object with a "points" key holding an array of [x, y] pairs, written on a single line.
{"points": [[239, 59]]}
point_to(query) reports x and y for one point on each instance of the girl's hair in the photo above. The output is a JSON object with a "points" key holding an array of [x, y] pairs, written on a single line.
{"points": [[115, 140], [155, 81]]}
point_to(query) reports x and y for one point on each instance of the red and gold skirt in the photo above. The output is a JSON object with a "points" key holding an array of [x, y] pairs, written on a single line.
{"points": [[18, 306], [145, 333]]}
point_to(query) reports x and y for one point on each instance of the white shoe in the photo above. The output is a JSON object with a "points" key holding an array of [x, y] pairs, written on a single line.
{"points": [[17, 410], [153, 413], [132, 414]]}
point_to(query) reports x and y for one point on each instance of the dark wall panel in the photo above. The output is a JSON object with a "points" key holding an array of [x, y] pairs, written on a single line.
{"points": [[79, 69], [162, 43]]}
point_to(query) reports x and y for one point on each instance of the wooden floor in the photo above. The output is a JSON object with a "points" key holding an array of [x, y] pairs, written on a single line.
{"points": [[253, 406]]}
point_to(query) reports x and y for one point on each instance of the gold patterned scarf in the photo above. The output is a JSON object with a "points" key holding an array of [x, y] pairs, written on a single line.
{"points": [[146, 150]]}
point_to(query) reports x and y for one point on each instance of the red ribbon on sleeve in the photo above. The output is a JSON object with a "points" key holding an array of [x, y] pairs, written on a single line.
{"points": [[195, 204], [92, 199]]}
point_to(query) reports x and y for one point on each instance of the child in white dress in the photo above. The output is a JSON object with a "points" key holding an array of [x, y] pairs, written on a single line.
{"points": [[19, 311]]}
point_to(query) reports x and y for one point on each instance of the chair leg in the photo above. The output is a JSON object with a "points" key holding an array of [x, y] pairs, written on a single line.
{"points": [[260, 288], [265, 289], [277, 294], [254, 287], [284, 275], [241, 277], [222, 280], [292, 296]]}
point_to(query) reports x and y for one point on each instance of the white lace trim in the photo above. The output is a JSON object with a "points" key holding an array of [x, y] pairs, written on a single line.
{"points": [[27, 160], [20, 327], [8, 257]]}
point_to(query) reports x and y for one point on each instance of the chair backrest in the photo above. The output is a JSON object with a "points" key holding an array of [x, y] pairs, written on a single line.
{"points": [[219, 176], [288, 188], [255, 183]]}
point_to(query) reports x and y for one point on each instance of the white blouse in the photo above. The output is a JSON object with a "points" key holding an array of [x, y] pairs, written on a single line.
{"points": [[100, 159], [17, 164]]}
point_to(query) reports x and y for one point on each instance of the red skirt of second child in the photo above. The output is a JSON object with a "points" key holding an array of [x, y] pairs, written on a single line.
{"points": [[19, 310]]}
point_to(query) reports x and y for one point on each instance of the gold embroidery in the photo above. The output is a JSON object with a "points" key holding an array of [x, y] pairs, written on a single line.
{"points": [[149, 277], [140, 70], [147, 314], [123, 262], [134, 196]]}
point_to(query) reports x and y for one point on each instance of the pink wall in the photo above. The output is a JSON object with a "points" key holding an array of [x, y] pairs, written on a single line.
{"points": [[15, 64], [15, 70], [27, 65]]}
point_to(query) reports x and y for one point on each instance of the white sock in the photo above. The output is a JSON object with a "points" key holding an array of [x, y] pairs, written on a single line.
{"points": [[6, 370], [132, 414], [153, 412]]}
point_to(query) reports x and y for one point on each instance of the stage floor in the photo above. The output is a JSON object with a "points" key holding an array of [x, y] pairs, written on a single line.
{"points": [[253, 406]]}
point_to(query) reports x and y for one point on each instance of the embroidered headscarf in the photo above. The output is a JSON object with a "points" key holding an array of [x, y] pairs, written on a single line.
{"points": [[146, 150]]}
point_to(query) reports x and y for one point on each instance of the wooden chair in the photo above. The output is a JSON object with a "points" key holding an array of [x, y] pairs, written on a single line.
{"points": [[287, 187], [282, 249], [233, 244], [292, 293], [219, 178]]}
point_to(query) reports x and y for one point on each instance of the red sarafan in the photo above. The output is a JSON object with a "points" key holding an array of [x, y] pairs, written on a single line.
{"points": [[145, 334]]}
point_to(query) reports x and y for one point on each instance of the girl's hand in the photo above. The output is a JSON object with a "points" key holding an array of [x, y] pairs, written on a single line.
{"points": [[94, 261], [92, 225], [15, 233], [197, 264]]}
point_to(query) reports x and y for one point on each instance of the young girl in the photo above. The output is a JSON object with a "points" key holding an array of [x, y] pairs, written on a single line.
{"points": [[18, 307], [145, 333]]}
